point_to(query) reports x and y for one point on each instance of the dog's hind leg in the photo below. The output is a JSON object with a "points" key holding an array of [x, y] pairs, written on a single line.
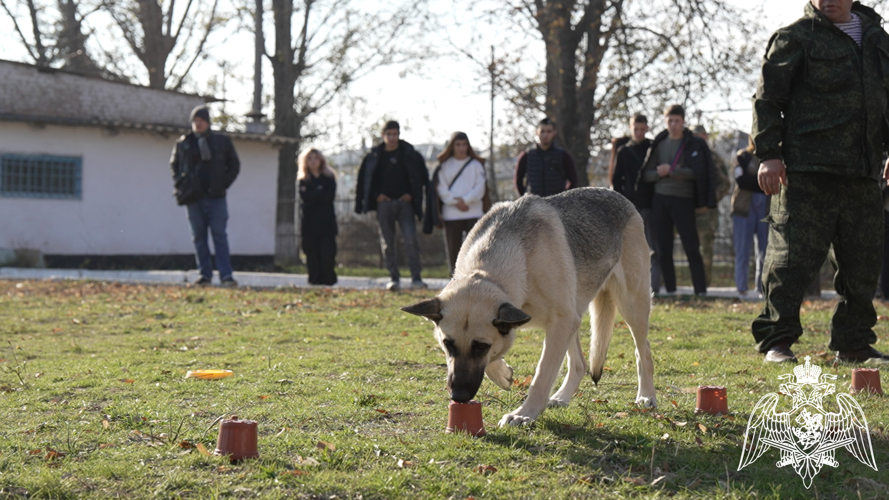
{"points": [[602, 313], [576, 370], [633, 298]]}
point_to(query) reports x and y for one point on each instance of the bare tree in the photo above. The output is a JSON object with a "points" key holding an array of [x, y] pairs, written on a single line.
{"points": [[58, 36], [155, 34], [320, 48], [605, 59]]}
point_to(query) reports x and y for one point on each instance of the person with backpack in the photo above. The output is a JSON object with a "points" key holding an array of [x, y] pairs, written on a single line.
{"points": [[456, 193]]}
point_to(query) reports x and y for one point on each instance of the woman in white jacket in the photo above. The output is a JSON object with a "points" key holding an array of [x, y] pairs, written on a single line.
{"points": [[460, 187]]}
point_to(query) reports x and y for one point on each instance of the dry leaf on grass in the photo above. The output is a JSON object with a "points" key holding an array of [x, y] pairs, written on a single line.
{"points": [[635, 480], [186, 444], [263, 397], [105, 424], [106, 445], [486, 469], [701, 427], [404, 463], [694, 484], [698, 441], [202, 449], [675, 404], [53, 455], [127, 380], [321, 445], [621, 414], [35, 452], [523, 384]]}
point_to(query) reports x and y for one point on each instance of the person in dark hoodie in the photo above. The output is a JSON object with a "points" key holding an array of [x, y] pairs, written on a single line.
{"points": [[820, 130], [212, 155], [627, 164], [391, 181], [678, 179]]}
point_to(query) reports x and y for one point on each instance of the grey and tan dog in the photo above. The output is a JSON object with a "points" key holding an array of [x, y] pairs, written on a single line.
{"points": [[541, 262]]}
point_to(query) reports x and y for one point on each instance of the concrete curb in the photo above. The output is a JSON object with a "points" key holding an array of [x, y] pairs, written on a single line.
{"points": [[276, 280]]}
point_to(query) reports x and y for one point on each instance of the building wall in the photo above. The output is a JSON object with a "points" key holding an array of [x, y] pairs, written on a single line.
{"points": [[127, 207]]}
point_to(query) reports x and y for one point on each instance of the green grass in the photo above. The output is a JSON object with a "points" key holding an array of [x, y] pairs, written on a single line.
{"points": [[96, 372]]}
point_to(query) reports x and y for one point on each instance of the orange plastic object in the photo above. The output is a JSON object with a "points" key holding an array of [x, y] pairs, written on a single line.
{"points": [[712, 399], [208, 374], [466, 417]]}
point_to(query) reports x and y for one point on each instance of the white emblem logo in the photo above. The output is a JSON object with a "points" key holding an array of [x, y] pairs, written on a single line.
{"points": [[806, 435]]}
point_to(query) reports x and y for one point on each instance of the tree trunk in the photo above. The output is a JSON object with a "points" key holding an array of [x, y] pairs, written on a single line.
{"points": [[287, 124], [157, 45], [71, 41]]}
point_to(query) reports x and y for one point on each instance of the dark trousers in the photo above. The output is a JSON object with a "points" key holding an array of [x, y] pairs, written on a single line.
{"points": [[402, 212], [652, 247], [812, 212], [884, 273], [668, 212], [453, 234], [320, 258], [210, 214]]}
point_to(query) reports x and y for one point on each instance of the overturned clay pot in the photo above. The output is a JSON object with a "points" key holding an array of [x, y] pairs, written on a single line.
{"points": [[466, 417], [237, 439], [866, 380], [712, 399]]}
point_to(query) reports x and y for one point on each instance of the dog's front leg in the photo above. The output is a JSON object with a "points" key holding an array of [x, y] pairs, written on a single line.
{"points": [[500, 373], [555, 346]]}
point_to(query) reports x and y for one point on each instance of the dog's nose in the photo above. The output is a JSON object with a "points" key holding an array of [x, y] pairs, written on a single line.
{"points": [[462, 395]]}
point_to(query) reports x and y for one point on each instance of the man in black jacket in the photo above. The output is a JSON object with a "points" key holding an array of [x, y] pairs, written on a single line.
{"points": [[545, 169], [628, 162], [678, 179], [391, 180], [213, 157]]}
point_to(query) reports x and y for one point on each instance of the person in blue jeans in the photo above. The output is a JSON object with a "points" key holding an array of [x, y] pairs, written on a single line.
{"points": [[212, 155], [750, 206]]}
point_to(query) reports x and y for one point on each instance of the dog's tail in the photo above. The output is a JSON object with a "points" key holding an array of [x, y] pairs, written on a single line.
{"points": [[602, 314]]}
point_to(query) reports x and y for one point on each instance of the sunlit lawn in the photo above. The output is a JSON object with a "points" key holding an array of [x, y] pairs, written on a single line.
{"points": [[349, 396]]}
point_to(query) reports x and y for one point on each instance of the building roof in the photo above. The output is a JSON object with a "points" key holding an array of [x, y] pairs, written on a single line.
{"points": [[49, 96]]}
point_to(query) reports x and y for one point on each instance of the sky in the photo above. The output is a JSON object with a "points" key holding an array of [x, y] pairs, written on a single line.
{"points": [[441, 98]]}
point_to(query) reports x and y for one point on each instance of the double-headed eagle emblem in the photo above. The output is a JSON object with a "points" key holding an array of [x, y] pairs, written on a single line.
{"points": [[806, 435]]}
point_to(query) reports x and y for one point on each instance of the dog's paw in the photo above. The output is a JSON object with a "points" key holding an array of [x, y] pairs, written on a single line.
{"points": [[558, 403], [515, 420], [500, 373], [647, 402]]}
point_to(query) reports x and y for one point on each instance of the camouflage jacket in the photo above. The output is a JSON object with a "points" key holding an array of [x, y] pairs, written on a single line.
{"points": [[821, 102]]}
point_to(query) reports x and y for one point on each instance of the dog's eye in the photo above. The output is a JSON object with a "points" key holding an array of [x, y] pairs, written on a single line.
{"points": [[449, 346], [480, 347]]}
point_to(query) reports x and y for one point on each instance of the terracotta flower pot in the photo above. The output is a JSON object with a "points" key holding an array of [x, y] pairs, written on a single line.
{"points": [[466, 417], [866, 379], [237, 439], [712, 399]]}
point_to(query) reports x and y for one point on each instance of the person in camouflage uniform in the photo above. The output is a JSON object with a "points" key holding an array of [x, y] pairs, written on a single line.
{"points": [[820, 129], [707, 219]]}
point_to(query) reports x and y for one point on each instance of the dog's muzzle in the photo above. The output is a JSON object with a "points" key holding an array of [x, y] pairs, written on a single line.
{"points": [[465, 380]]}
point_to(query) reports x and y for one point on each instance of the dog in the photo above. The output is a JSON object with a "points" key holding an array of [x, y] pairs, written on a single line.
{"points": [[540, 262]]}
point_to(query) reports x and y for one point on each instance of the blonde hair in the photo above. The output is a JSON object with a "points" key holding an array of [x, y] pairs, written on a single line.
{"points": [[302, 161]]}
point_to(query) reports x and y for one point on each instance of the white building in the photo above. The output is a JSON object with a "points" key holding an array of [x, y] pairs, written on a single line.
{"points": [[84, 169]]}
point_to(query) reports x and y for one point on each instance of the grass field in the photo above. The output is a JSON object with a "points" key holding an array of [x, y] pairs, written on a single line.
{"points": [[349, 394]]}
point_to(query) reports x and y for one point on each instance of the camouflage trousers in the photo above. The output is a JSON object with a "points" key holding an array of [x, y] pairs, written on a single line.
{"points": [[813, 212], [708, 224]]}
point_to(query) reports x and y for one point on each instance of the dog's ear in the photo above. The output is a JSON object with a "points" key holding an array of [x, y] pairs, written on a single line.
{"points": [[509, 317], [429, 309]]}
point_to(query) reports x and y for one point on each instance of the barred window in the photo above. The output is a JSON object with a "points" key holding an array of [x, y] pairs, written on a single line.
{"points": [[40, 176]]}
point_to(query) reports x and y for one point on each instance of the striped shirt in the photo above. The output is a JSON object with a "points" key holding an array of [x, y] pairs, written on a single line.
{"points": [[852, 28]]}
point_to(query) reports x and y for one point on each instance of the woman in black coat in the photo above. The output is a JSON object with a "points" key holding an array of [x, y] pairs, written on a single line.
{"points": [[317, 190]]}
